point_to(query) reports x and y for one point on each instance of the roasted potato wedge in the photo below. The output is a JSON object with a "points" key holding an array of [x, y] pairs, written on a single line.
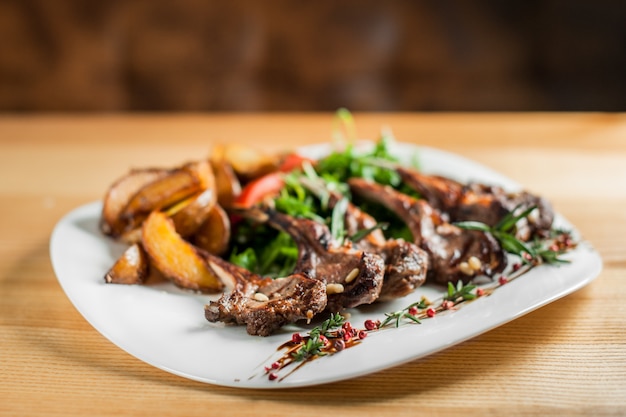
{"points": [[131, 268], [175, 258], [179, 184], [226, 182], [189, 215], [120, 193], [248, 162], [214, 234], [134, 235]]}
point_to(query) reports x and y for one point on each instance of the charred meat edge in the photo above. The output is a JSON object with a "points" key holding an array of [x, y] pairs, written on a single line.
{"points": [[451, 250], [405, 262], [353, 277], [263, 305], [480, 202]]}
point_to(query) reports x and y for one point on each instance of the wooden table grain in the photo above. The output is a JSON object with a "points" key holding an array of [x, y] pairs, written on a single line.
{"points": [[567, 358]]}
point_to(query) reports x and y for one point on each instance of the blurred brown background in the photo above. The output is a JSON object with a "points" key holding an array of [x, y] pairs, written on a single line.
{"points": [[72, 55]]}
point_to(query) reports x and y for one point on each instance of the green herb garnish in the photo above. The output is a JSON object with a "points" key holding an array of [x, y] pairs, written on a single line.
{"points": [[408, 313], [314, 344], [504, 232], [460, 291]]}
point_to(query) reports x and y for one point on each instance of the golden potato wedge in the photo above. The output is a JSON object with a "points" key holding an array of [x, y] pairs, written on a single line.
{"points": [[214, 234], [175, 258], [134, 235], [174, 187], [248, 162], [131, 268], [189, 215], [120, 193], [226, 182]]}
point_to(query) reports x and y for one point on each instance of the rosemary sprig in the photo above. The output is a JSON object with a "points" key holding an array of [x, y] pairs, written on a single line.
{"points": [[361, 234], [504, 231], [337, 220]]}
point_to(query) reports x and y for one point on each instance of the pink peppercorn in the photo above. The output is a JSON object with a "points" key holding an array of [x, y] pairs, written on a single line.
{"points": [[272, 376], [275, 365], [502, 280], [371, 324], [362, 334], [480, 292], [447, 305], [339, 345], [431, 312], [413, 311], [296, 338]]}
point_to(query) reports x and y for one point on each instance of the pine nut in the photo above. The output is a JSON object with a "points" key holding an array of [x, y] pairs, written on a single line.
{"points": [[334, 289], [474, 263], [533, 216], [260, 297], [352, 275], [465, 268]]}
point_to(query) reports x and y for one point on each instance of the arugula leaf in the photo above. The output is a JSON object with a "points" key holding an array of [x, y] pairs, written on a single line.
{"points": [[279, 257], [246, 259], [341, 165]]}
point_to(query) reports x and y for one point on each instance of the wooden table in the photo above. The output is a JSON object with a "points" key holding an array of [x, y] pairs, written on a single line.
{"points": [[566, 358]]}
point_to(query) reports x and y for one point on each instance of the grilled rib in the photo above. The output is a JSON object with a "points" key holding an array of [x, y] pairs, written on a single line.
{"points": [[263, 305], [405, 262], [479, 202], [352, 277], [449, 248]]}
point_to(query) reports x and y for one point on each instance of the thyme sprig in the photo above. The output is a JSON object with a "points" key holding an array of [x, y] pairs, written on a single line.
{"points": [[332, 336], [313, 344], [460, 292], [424, 308], [406, 313]]}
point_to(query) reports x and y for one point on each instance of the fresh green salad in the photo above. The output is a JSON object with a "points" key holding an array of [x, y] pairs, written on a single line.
{"points": [[273, 253]]}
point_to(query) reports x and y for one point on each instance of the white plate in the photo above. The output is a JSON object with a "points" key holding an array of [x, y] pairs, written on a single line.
{"points": [[166, 328]]}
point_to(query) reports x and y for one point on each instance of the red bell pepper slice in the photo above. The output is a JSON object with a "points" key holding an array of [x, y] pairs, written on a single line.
{"points": [[294, 161], [260, 188]]}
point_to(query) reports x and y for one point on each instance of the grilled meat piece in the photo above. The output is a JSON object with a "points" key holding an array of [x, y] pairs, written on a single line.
{"points": [[454, 254], [405, 268], [479, 202], [263, 304], [405, 262], [352, 277]]}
